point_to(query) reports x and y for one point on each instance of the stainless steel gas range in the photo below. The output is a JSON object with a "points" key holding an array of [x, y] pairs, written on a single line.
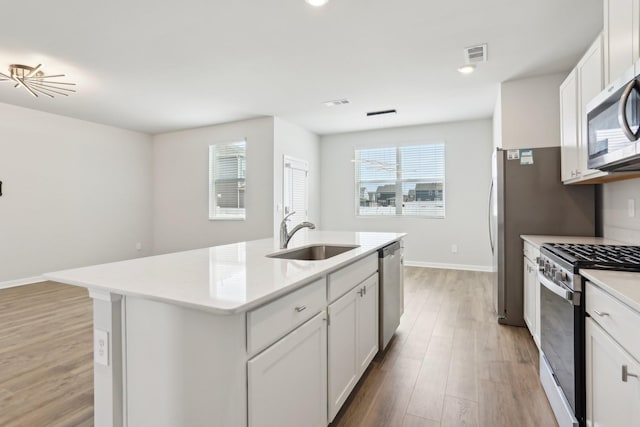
{"points": [[562, 362]]}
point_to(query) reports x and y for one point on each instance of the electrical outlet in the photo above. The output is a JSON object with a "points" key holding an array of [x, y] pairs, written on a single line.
{"points": [[101, 347], [631, 208], [454, 249]]}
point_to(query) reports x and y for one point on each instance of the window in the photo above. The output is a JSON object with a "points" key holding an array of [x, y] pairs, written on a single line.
{"points": [[227, 180], [296, 173], [405, 180]]}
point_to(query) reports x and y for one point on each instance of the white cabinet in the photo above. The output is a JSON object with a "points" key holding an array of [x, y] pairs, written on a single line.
{"points": [[530, 279], [287, 383], [352, 341], [569, 126], [532, 291], [621, 43], [613, 399], [583, 83]]}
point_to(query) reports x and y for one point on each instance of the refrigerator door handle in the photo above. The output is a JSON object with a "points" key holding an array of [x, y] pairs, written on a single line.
{"points": [[489, 211]]}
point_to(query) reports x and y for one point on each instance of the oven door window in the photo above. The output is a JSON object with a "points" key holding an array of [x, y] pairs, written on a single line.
{"points": [[557, 336], [606, 134]]}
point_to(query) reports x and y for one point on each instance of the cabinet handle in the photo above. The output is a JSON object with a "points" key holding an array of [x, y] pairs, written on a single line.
{"points": [[361, 292], [301, 308], [626, 374], [600, 313]]}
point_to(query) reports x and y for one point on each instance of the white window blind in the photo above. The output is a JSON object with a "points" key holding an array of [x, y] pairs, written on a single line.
{"points": [[227, 180], [403, 180], [295, 189]]}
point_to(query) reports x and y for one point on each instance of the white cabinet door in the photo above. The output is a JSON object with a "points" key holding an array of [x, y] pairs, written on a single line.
{"points": [[288, 381], [353, 340], [611, 399], [367, 329], [590, 84], [620, 37], [569, 126], [342, 349], [530, 279]]}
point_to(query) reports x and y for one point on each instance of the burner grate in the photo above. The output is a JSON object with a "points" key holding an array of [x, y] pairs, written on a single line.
{"points": [[611, 256]]}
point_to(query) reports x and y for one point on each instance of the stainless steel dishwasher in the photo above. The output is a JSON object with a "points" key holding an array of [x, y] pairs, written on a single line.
{"points": [[391, 291]]}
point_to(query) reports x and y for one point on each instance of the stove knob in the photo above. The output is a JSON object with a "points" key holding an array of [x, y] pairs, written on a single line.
{"points": [[540, 263], [560, 276], [553, 271]]}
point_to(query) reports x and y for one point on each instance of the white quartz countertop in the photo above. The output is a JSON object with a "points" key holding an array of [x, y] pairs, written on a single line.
{"points": [[623, 285], [225, 279], [539, 240]]}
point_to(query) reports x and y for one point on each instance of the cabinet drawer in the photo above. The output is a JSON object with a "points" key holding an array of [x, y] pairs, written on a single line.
{"points": [[530, 251], [268, 323], [346, 278], [620, 321]]}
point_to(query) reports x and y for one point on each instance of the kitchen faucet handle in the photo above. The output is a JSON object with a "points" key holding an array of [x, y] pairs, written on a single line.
{"points": [[288, 215]]}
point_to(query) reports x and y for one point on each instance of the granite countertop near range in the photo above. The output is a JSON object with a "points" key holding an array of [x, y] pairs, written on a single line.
{"points": [[537, 240]]}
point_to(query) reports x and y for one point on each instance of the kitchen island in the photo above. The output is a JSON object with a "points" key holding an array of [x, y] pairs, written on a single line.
{"points": [[226, 336]]}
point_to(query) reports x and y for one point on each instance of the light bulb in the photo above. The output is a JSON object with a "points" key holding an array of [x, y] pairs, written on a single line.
{"points": [[467, 68], [317, 3]]}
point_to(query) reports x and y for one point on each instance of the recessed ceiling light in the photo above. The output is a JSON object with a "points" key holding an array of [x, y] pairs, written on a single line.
{"points": [[317, 3], [467, 68]]}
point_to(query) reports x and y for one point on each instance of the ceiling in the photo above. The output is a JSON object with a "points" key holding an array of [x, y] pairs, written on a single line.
{"points": [[156, 66]]}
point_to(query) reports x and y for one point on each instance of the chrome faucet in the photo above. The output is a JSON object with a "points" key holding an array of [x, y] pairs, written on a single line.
{"points": [[285, 236]]}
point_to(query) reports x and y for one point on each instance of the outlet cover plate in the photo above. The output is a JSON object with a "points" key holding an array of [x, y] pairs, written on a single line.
{"points": [[101, 347]]}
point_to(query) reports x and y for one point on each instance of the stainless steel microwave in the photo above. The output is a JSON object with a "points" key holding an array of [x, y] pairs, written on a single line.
{"points": [[613, 122]]}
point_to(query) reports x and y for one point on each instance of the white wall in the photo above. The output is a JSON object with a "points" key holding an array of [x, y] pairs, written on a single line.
{"points": [[616, 222], [294, 141], [181, 199], [530, 112], [75, 193], [468, 177]]}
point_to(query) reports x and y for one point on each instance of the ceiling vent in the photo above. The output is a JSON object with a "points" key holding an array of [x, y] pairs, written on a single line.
{"points": [[380, 113], [336, 102], [475, 54]]}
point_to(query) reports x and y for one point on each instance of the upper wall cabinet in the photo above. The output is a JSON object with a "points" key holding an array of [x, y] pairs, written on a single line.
{"points": [[569, 126], [583, 83], [621, 37]]}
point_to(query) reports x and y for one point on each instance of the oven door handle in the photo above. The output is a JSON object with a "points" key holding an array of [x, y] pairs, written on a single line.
{"points": [[559, 290]]}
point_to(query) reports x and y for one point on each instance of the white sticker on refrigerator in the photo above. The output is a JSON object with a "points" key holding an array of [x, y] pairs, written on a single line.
{"points": [[526, 157], [513, 154]]}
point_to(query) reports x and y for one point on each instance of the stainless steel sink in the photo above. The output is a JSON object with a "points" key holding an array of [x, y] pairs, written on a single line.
{"points": [[313, 252]]}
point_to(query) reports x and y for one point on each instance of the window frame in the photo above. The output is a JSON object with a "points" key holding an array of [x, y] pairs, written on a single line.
{"points": [[398, 181], [211, 176]]}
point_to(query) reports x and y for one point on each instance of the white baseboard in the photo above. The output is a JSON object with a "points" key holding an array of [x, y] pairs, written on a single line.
{"points": [[21, 282], [484, 268]]}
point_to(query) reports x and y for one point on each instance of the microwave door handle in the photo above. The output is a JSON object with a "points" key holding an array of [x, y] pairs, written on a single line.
{"points": [[622, 111]]}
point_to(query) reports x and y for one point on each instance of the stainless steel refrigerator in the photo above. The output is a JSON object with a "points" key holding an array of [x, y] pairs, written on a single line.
{"points": [[527, 197]]}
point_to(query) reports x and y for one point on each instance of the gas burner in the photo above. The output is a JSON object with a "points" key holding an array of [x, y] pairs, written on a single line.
{"points": [[613, 257]]}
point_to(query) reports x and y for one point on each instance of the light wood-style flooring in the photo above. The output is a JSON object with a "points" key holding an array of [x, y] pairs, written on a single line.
{"points": [[46, 367], [450, 363]]}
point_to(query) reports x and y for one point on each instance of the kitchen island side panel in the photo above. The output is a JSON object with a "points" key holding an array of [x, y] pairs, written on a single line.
{"points": [[184, 367]]}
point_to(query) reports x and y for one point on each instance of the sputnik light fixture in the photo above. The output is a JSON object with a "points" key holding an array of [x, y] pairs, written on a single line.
{"points": [[36, 81]]}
